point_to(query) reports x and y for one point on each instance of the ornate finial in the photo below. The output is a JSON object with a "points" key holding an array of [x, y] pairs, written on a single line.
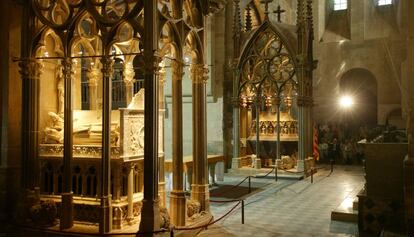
{"points": [[248, 20], [237, 18], [266, 12], [309, 16], [279, 11], [300, 21]]}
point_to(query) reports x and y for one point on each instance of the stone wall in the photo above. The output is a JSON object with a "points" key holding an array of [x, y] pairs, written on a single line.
{"points": [[374, 44], [10, 100]]}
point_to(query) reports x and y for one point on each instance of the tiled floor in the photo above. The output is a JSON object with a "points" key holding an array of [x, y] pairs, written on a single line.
{"points": [[291, 208]]}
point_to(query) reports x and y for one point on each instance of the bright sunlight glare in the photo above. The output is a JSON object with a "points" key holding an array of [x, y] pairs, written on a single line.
{"points": [[346, 101]]}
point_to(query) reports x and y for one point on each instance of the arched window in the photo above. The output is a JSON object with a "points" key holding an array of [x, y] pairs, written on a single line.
{"points": [[384, 2], [340, 5], [77, 181], [84, 84], [48, 183], [91, 182]]}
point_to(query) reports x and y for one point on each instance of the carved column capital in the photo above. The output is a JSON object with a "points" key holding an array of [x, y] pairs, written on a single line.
{"points": [[67, 68], [107, 69], [199, 73], [31, 69]]}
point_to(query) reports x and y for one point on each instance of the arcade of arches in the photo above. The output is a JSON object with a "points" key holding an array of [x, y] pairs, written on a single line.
{"points": [[124, 114]]}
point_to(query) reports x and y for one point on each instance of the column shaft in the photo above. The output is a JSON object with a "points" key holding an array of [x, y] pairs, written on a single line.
{"points": [[30, 71], [177, 200], [129, 74], [150, 214], [66, 219], [105, 224], [161, 158], [130, 198], [93, 76], [200, 191]]}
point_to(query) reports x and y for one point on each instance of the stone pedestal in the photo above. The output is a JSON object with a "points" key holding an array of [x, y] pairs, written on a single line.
{"points": [[66, 213], [117, 218], [257, 163], [301, 166], [105, 224], [150, 215], [200, 193], [177, 208], [236, 163]]}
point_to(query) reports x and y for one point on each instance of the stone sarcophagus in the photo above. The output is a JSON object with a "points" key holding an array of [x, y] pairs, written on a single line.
{"points": [[127, 154]]}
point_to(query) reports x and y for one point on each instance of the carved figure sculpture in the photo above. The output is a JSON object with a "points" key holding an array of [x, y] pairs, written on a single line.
{"points": [[54, 132], [60, 89]]}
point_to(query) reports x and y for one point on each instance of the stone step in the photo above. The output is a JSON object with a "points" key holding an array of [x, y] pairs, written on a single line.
{"points": [[346, 212]]}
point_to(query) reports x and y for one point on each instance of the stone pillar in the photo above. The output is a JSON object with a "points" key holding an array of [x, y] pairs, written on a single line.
{"points": [[177, 196], [30, 71], [130, 198], [76, 85], [301, 134], [150, 214], [105, 224], [129, 74], [66, 218], [236, 163], [409, 161], [200, 191], [161, 158], [93, 79]]}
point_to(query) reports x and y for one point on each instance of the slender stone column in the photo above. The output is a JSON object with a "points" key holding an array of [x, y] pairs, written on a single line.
{"points": [[278, 130], [200, 191], [105, 224], [235, 163], [150, 214], [129, 74], [130, 198], [161, 158], [177, 196], [93, 77], [66, 218], [301, 133], [30, 71]]}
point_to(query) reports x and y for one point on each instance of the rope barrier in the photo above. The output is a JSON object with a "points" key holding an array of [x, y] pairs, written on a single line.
{"points": [[211, 222], [171, 230]]}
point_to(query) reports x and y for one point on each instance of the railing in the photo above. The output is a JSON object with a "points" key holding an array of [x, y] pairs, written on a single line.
{"points": [[172, 229]]}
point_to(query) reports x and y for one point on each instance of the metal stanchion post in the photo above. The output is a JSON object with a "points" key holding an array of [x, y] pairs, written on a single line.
{"points": [[250, 187], [242, 211], [275, 173], [312, 175]]}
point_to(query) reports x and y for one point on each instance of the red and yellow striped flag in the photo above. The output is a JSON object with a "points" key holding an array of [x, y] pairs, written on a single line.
{"points": [[315, 144]]}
